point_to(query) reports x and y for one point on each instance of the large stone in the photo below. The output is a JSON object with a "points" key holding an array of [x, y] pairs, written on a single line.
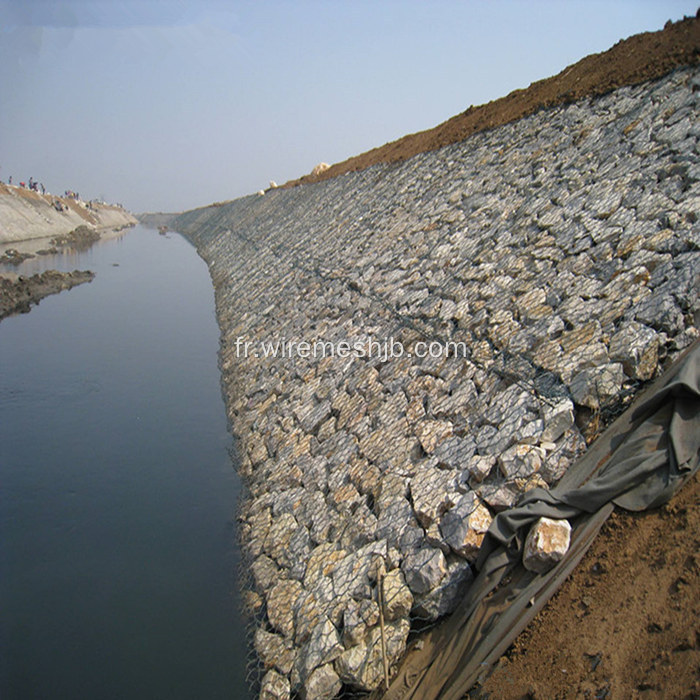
{"points": [[424, 569], [274, 650], [568, 448], [356, 669], [588, 356], [479, 467], [349, 408], [395, 517], [445, 597], [358, 618], [637, 347], [397, 599], [597, 386], [265, 573], [558, 418], [433, 492], [310, 608], [464, 526], [280, 606], [274, 686], [546, 544], [432, 432], [353, 575], [323, 648], [322, 684], [455, 452], [660, 312], [278, 538], [321, 562], [531, 433], [499, 496], [385, 444], [362, 665], [346, 498], [520, 461]]}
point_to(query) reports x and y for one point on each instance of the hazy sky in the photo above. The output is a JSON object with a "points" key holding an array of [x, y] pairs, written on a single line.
{"points": [[165, 105]]}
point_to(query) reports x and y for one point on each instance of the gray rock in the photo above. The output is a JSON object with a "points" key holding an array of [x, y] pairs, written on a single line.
{"points": [[521, 461], [322, 684], [446, 596], [432, 432], [558, 418], [265, 573], [362, 665], [595, 387], [395, 517], [499, 496], [274, 651], [277, 542], [322, 649], [660, 312], [397, 599], [280, 606], [274, 686], [531, 433], [359, 617], [637, 348], [433, 492], [455, 452], [569, 448], [424, 569], [352, 576], [464, 526], [479, 467]]}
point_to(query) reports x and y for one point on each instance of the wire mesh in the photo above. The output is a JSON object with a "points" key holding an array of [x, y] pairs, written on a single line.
{"points": [[529, 252]]}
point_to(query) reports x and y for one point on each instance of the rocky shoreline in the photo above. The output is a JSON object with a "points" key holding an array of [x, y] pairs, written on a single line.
{"points": [[18, 293], [562, 251]]}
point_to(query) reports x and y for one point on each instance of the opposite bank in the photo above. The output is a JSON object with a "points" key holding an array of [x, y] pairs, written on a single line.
{"points": [[562, 252], [26, 214]]}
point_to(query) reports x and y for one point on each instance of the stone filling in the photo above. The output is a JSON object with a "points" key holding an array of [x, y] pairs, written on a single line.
{"points": [[562, 251]]}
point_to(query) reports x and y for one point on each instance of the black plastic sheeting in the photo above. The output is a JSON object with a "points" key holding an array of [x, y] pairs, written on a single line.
{"points": [[640, 461]]}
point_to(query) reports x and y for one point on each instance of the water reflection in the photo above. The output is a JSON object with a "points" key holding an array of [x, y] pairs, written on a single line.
{"points": [[117, 550]]}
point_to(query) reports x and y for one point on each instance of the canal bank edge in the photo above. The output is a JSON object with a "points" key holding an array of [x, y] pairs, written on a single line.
{"points": [[563, 250], [26, 215], [18, 293], [33, 224]]}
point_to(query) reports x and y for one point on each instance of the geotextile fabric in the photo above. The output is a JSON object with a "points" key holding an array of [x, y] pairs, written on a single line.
{"points": [[640, 461]]}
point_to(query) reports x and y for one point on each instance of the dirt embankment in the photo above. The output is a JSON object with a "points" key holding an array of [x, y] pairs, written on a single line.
{"points": [[634, 60], [626, 624], [18, 293], [25, 215]]}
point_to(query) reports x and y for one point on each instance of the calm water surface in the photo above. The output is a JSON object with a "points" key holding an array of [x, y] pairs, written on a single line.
{"points": [[118, 560]]}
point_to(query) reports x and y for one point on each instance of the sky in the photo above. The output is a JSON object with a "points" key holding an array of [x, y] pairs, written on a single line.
{"points": [[166, 105]]}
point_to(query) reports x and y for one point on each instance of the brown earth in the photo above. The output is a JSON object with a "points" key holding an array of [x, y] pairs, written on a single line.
{"points": [[80, 238], [635, 60], [626, 624]]}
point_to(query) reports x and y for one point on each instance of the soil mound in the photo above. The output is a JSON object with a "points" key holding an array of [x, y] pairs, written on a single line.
{"points": [[625, 624], [642, 57]]}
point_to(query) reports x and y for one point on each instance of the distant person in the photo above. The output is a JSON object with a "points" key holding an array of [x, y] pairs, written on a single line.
{"points": [[9, 182], [43, 189]]}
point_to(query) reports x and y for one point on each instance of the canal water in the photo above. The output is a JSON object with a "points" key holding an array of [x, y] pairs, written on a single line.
{"points": [[118, 558]]}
